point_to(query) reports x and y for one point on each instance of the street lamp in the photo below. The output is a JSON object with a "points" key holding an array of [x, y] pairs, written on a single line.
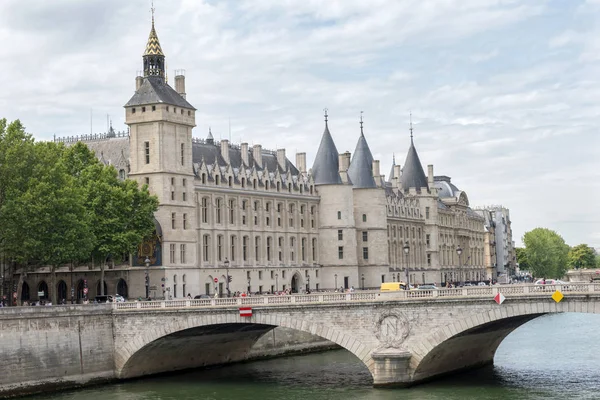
{"points": [[276, 282], [406, 249], [335, 276], [248, 285], [147, 278], [363, 281], [459, 252], [308, 284], [226, 263]]}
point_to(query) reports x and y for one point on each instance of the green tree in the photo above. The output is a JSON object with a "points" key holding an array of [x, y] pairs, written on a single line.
{"points": [[522, 258], [582, 256], [48, 222], [546, 253], [122, 214]]}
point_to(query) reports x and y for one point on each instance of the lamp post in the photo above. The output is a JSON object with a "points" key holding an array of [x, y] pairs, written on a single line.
{"points": [[335, 276], [226, 263], [406, 249], [362, 278], [308, 284], [276, 282], [147, 278], [249, 285], [459, 252]]}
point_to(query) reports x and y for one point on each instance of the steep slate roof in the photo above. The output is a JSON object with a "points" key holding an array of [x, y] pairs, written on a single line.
{"points": [[325, 170], [445, 187], [361, 166], [154, 90], [413, 175]]}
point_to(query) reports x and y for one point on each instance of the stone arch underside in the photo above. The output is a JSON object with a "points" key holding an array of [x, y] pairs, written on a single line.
{"points": [[201, 342], [472, 342]]}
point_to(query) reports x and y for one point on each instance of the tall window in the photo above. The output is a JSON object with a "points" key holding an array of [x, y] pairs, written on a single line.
{"points": [[219, 248], [231, 211], [245, 248], [365, 236], [233, 243], [303, 244], [147, 151], [219, 210], [364, 217], [314, 249], [341, 252], [292, 247], [257, 248], [365, 253], [182, 153], [428, 239], [172, 253], [429, 259], [427, 212], [269, 244], [184, 221], [205, 210], [340, 234], [339, 215], [182, 253], [173, 217], [206, 246]]}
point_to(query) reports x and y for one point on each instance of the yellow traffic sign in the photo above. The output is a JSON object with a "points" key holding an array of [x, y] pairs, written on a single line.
{"points": [[557, 296]]}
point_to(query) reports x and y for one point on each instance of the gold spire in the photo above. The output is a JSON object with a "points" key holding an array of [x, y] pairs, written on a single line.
{"points": [[153, 47]]}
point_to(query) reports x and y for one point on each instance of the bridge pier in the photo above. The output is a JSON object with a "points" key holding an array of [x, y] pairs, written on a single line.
{"points": [[391, 368]]}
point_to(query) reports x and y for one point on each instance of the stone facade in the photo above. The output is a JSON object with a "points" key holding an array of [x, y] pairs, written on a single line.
{"points": [[229, 210], [501, 255]]}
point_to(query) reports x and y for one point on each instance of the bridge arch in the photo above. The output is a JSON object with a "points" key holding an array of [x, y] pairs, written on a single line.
{"points": [[471, 342], [158, 349]]}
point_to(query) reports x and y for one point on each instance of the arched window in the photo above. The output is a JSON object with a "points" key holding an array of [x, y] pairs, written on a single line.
{"points": [[257, 248], [314, 250], [25, 292], [233, 244], [122, 288], [269, 244], [245, 248], [43, 287], [61, 291], [204, 209], [219, 210], [220, 248]]}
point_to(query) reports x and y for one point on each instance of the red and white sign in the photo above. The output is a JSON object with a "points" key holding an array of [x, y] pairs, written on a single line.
{"points": [[499, 298], [216, 280], [245, 311]]}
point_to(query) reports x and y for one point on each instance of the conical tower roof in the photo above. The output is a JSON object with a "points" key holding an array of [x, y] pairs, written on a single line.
{"points": [[413, 175], [153, 46], [325, 170], [361, 166], [391, 176]]}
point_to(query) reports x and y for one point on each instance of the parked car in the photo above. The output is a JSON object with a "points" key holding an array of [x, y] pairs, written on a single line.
{"points": [[202, 296], [482, 284], [427, 287], [546, 282], [119, 299]]}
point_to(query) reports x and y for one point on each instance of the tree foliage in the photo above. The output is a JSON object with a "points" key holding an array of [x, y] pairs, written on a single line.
{"points": [[60, 204], [582, 256], [546, 253], [522, 258]]}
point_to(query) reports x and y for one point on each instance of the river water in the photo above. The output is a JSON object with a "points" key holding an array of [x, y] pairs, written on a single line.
{"points": [[551, 357]]}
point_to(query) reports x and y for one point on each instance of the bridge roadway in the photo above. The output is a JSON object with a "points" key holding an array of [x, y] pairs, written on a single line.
{"points": [[403, 338]]}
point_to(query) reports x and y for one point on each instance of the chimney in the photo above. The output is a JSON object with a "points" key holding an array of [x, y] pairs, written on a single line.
{"points": [[138, 82], [244, 151], [281, 160], [397, 174], [375, 169], [225, 150], [257, 154], [344, 160], [301, 162], [430, 175], [180, 83]]}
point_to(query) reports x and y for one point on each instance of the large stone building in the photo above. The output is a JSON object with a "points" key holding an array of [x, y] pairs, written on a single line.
{"points": [[501, 257], [250, 213]]}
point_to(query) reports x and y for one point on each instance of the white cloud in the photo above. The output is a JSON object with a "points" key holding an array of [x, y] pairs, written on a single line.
{"points": [[504, 98]]}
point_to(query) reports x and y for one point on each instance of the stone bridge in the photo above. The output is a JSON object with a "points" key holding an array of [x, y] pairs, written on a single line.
{"points": [[403, 338]]}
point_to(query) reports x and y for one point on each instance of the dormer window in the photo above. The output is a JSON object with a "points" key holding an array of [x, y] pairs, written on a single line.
{"points": [[143, 109], [153, 108], [133, 110]]}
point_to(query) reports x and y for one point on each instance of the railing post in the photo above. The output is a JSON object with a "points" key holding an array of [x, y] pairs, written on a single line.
{"points": [[494, 290], [434, 293], [138, 305], [266, 300], [590, 287], [321, 298], [163, 304], [188, 303], [526, 289], [348, 297], [238, 301], [213, 302], [464, 292], [293, 299]]}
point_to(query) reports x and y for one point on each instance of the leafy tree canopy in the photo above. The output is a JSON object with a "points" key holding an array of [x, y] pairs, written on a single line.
{"points": [[546, 253], [582, 256]]}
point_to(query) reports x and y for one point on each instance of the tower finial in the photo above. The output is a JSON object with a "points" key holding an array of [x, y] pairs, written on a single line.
{"points": [[361, 122], [411, 128], [152, 10], [393, 158], [325, 111]]}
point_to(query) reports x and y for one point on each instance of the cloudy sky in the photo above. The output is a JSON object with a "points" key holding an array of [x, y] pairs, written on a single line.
{"points": [[504, 94]]}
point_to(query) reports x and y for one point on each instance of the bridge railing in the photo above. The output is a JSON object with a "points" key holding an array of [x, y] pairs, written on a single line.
{"points": [[483, 292]]}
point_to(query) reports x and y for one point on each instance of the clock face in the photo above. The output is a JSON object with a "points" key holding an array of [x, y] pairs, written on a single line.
{"points": [[146, 249]]}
